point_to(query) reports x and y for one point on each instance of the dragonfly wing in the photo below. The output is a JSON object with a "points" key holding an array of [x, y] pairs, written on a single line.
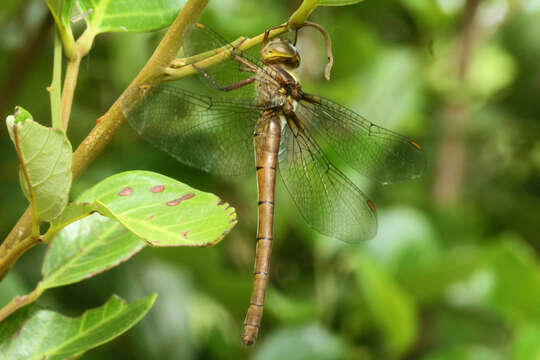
{"points": [[376, 152], [213, 135], [329, 202], [199, 39]]}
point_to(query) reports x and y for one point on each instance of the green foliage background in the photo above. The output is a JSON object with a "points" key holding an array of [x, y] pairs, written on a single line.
{"points": [[454, 270]]}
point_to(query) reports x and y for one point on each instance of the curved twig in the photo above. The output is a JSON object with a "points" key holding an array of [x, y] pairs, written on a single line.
{"points": [[328, 41]]}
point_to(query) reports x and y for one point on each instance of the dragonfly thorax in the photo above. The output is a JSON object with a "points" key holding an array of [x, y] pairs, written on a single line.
{"points": [[282, 52]]}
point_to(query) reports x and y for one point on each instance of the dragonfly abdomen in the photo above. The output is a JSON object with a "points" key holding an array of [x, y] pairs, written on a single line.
{"points": [[266, 142]]}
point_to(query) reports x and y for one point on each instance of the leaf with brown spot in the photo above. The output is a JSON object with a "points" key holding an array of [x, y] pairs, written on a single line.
{"points": [[187, 210], [126, 191], [157, 188], [180, 199]]}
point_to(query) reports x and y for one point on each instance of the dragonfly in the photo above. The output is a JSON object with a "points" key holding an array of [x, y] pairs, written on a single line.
{"points": [[257, 118]]}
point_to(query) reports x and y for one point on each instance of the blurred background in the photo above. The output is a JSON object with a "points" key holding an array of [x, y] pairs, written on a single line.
{"points": [[454, 270]]}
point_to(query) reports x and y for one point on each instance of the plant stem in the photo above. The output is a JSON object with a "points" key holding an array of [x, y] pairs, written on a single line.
{"points": [[9, 254], [64, 32], [70, 82], [54, 89], [452, 152], [174, 72], [298, 18], [106, 125], [18, 302]]}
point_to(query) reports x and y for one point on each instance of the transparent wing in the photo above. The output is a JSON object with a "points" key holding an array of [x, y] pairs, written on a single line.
{"points": [[376, 152], [200, 39], [328, 201], [210, 134]]}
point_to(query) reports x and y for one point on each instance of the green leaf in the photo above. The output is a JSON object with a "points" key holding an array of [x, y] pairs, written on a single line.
{"points": [[161, 210], [516, 291], [45, 158], [301, 14], [197, 315], [144, 204], [430, 278], [72, 213], [33, 333], [307, 342], [21, 115], [526, 344], [61, 12], [392, 309], [61, 9], [86, 248], [129, 15]]}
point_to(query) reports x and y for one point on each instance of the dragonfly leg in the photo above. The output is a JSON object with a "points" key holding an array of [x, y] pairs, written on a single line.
{"points": [[267, 34], [247, 65], [220, 87], [235, 47], [243, 68]]}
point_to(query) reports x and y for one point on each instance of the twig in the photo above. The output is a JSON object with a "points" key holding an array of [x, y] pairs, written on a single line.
{"points": [[70, 83], [467, 37], [11, 254], [174, 72], [298, 18], [54, 89], [18, 302], [452, 152], [328, 47]]}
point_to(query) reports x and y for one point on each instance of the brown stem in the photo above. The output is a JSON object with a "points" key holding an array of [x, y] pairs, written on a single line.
{"points": [[106, 126], [328, 41], [467, 37], [180, 68], [18, 302], [9, 254], [452, 151], [70, 83]]}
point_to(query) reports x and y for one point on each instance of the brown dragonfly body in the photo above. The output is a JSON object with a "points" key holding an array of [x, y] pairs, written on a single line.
{"points": [[266, 141], [270, 114]]}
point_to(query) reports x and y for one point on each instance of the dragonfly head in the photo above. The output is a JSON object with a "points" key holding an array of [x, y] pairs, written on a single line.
{"points": [[281, 51]]}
